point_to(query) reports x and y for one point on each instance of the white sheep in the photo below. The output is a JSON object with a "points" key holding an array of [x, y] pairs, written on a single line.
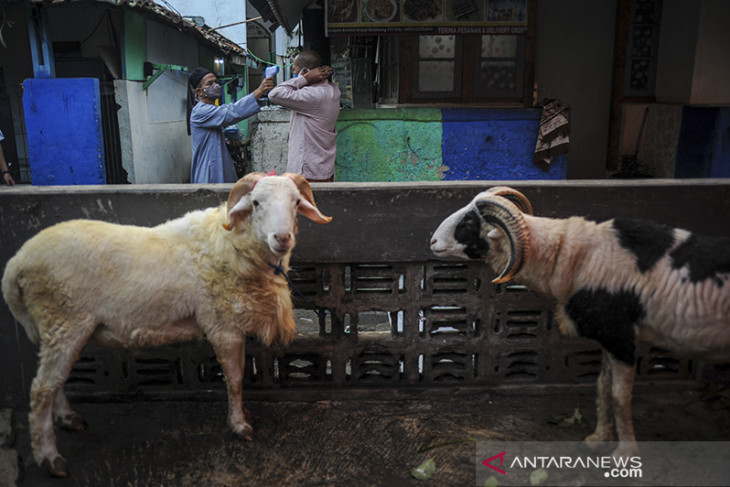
{"points": [[207, 274], [617, 282]]}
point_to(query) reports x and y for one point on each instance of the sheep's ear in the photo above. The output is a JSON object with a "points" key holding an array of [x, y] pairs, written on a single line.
{"points": [[307, 207], [239, 204]]}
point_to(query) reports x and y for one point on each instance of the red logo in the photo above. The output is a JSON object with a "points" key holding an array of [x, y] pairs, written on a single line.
{"points": [[501, 462]]}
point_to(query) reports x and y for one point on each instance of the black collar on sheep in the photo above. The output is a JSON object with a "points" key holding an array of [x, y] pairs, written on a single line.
{"points": [[279, 270]]}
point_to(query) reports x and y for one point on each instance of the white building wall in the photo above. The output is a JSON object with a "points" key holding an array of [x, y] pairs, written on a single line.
{"points": [[153, 151], [156, 147]]}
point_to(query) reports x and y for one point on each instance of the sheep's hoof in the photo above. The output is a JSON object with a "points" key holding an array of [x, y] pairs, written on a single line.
{"points": [[245, 431], [73, 422], [598, 441], [625, 449], [57, 468]]}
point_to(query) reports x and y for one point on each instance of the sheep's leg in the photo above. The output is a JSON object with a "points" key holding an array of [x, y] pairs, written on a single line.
{"points": [[621, 387], [231, 356], [66, 417], [56, 360], [604, 412]]}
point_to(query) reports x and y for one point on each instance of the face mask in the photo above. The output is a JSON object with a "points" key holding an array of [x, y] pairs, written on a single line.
{"points": [[213, 91], [302, 71]]}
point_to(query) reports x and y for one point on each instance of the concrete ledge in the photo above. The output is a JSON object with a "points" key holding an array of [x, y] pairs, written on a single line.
{"points": [[373, 222]]}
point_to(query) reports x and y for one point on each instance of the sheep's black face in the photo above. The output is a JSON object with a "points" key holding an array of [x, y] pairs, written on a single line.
{"points": [[461, 235], [468, 232]]}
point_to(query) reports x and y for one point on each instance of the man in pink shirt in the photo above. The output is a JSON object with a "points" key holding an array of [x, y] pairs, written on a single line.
{"points": [[315, 105]]}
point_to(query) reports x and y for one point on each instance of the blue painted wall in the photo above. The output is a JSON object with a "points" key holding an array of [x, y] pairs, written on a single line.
{"points": [[703, 150], [63, 124], [490, 144]]}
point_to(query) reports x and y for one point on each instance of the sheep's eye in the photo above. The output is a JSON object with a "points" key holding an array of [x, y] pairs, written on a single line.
{"points": [[297, 203], [255, 203]]}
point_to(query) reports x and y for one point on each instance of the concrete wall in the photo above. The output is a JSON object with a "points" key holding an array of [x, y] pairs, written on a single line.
{"points": [[681, 141], [418, 144], [269, 131], [63, 122], [711, 75], [495, 144], [153, 150], [156, 147], [574, 64], [677, 46], [704, 143], [390, 145], [657, 149], [693, 67]]}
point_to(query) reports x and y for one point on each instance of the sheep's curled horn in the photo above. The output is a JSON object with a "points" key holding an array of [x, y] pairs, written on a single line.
{"points": [[503, 207]]}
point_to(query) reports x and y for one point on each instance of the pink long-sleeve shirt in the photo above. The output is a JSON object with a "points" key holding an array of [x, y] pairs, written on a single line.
{"points": [[314, 112]]}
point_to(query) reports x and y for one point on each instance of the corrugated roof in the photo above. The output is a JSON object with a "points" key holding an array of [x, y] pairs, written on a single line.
{"points": [[158, 12]]}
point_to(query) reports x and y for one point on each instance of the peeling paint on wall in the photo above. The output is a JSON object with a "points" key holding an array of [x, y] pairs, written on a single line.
{"points": [[414, 144], [63, 123], [389, 150], [420, 144], [492, 144]]}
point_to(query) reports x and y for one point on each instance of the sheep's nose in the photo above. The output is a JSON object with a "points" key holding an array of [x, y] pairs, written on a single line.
{"points": [[283, 238], [434, 241]]}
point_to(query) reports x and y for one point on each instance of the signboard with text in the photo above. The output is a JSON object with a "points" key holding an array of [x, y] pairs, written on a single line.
{"points": [[444, 17]]}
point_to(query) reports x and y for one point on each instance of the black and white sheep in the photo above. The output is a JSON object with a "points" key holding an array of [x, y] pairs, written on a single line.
{"points": [[617, 282], [206, 274]]}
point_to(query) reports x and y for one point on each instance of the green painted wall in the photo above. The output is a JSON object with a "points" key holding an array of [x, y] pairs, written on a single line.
{"points": [[135, 46], [389, 145]]}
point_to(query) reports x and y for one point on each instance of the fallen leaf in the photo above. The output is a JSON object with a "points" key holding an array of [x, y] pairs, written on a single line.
{"points": [[538, 476], [491, 482], [577, 418], [564, 421], [425, 470]]}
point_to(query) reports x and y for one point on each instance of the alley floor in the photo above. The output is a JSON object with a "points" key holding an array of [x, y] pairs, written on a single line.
{"points": [[347, 442]]}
